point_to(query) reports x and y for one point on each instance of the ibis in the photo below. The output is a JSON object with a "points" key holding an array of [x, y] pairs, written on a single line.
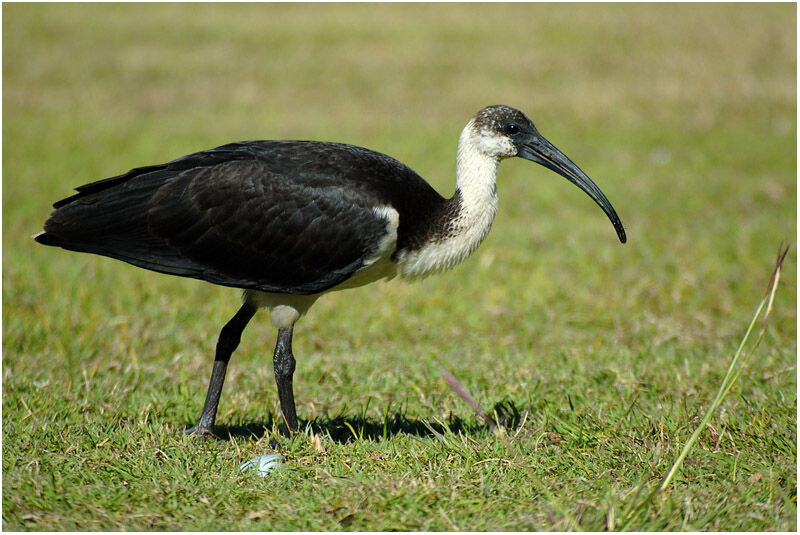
{"points": [[288, 221]]}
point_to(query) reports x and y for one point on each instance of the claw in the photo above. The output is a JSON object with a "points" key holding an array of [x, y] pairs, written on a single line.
{"points": [[198, 431]]}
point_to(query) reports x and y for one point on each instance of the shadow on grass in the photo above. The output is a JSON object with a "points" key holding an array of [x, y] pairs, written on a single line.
{"points": [[344, 429]]}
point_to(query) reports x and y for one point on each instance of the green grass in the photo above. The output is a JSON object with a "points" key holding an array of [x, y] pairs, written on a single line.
{"points": [[601, 358]]}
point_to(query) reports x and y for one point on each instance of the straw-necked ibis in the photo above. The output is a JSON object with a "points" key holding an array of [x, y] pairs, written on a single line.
{"points": [[288, 221]]}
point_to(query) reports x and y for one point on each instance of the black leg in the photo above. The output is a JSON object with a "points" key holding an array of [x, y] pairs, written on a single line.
{"points": [[228, 341], [284, 364]]}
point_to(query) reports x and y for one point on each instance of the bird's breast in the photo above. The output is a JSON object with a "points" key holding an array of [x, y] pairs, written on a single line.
{"points": [[462, 229]]}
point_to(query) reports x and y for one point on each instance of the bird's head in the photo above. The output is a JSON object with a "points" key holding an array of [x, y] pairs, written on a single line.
{"points": [[503, 132]]}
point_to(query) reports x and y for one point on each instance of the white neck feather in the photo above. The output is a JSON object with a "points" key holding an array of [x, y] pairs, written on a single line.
{"points": [[476, 174], [476, 181]]}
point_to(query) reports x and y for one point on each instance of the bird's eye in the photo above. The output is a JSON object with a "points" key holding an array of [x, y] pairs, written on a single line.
{"points": [[512, 129]]}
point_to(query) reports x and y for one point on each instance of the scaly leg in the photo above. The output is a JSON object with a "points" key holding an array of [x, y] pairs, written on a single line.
{"points": [[228, 341], [284, 365]]}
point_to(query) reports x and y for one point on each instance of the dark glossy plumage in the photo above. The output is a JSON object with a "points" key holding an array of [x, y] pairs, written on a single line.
{"points": [[296, 218], [277, 216]]}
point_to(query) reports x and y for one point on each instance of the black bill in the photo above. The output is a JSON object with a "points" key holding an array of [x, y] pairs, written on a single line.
{"points": [[538, 149]]}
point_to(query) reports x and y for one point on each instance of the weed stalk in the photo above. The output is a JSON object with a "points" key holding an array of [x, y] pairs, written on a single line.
{"points": [[736, 366]]}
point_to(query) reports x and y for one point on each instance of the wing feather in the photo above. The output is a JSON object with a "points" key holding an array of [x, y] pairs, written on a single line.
{"points": [[293, 217]]}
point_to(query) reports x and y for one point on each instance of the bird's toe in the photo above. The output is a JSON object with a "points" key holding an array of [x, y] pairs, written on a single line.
{"points": [[197, 431]]}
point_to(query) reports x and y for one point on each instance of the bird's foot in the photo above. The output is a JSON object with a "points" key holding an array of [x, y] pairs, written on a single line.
{"points": [[198, 431]]}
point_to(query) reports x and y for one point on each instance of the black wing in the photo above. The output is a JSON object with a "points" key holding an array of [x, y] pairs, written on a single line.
{"points": [[277, 216]]}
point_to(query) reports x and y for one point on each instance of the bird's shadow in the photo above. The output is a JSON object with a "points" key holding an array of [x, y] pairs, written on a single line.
{"points": [[346, 428]]}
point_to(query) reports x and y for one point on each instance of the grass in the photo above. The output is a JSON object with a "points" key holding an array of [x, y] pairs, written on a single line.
{"points": [[601, 359], [740, 359]]}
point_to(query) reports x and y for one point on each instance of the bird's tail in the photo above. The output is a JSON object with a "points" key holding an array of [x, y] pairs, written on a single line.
{"points": [[109, 218]]}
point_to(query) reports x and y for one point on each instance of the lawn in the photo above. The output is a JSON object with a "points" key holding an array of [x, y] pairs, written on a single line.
{"points": [[599, 358]]}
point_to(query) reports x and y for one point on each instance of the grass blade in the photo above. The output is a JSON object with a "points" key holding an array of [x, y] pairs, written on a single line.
{"points": [[737, 364]]}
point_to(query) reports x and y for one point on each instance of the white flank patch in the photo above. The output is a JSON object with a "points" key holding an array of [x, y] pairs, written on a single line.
{"points": [[388, 243], [379, 265]]}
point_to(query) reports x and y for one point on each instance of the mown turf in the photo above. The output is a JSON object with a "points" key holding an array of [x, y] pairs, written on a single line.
{"points": [[599, 358]]}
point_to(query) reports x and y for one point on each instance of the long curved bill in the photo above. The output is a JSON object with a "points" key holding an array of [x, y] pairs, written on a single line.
{"points": [[541, 151]]}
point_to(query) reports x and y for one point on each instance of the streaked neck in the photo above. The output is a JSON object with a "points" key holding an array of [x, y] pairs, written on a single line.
{"points": [[469, 214]]}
